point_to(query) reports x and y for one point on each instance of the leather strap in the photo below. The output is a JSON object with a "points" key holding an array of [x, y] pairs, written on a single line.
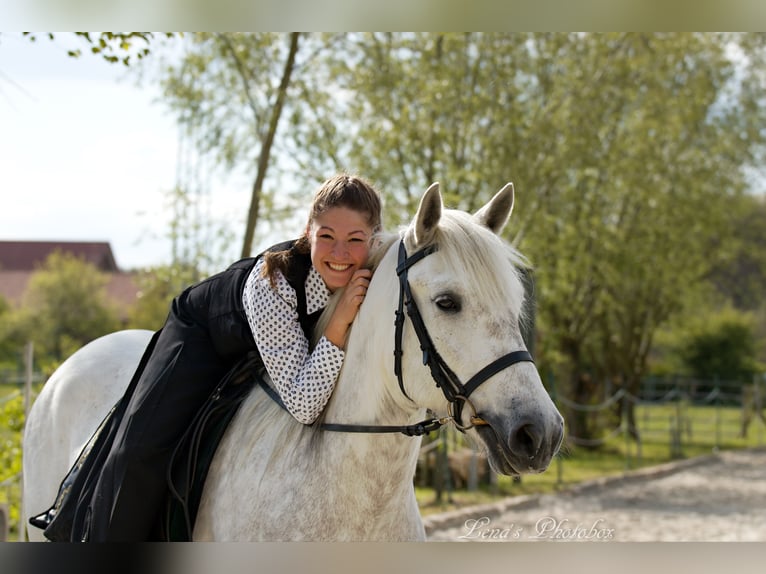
{"points": [[495, 367], [418, 429], [444, 377]]}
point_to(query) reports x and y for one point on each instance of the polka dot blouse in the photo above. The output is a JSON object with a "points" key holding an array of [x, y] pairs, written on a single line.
{"points": [[304, 380]]}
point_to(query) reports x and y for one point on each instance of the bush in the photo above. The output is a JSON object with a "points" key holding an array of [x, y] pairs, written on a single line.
{"points": [[721, 344], [11, 428]]}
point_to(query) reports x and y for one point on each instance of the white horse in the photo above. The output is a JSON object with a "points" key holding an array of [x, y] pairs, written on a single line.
{"points": [[273, 478]]}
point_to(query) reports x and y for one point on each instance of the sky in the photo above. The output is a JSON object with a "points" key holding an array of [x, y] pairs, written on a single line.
{"points": [[86, 154]]}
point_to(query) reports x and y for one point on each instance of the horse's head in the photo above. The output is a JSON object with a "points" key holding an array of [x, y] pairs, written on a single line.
{"points": [[468, 290]]}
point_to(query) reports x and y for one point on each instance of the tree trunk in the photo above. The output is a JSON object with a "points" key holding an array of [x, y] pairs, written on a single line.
{"points": [[268, 140]]}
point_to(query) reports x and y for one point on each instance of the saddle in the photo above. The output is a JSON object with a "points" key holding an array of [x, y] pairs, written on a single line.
{"points": [[190, 461]]}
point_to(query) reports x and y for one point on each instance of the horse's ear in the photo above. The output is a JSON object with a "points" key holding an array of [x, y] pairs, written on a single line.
{"points": [[496, 213], [428, 216]]}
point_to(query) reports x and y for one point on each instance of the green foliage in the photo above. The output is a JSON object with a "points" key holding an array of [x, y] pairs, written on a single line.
{"points": [[710, 340], [8, 347], [740, 273], [65, 307], [15, 331], [721, 345], [113, 47], [11, 429], [158, 286]]}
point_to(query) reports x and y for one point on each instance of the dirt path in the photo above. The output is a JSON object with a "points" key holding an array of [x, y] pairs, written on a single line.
{"points": [[714, 498]]}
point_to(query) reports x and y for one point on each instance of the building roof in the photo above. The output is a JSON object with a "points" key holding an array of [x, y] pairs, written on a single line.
{"points": [[121, 288], [30, 255], [19, 260]]}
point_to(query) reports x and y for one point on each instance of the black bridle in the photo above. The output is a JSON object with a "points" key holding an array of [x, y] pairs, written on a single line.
{"points": [[456, 393], [454, 390]]}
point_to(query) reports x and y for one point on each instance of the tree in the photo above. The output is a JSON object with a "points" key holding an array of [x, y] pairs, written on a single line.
{"points": [[740, 274], [654, 159], [230, 91], [409, 109], [7, 349], [66, 306], [626, 149], [157, 287], [719, 345]]}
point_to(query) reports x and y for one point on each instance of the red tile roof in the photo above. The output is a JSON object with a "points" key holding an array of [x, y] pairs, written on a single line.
{"points": [[29, 255], [121, 288], [20, 259]]}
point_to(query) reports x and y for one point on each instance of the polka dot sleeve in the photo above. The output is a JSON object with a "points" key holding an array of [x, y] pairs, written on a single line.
{"points": [[303, 380]]}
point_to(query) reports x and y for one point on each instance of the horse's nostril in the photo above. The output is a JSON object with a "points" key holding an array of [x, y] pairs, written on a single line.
{"points": [[526, 440]]}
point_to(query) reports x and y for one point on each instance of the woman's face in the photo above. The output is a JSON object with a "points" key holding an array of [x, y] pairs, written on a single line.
{"points": [[340, 242]]}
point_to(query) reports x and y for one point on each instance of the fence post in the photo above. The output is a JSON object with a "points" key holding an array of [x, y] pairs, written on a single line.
{"points": [[626, 430], [759, 407], [29, 350], [717, 399], [559, 460], [3, 522]]}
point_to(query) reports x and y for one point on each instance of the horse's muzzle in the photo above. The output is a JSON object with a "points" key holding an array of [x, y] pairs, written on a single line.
{"points": [[521, 447]]}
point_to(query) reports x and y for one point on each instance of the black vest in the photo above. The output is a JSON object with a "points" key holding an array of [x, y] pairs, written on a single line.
{"points": [[296, 275]]}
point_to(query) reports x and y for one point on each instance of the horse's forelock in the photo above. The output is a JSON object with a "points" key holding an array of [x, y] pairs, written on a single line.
{"points": [[473, 251]]}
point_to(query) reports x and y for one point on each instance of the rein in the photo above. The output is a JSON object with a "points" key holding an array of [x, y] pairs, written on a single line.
{"points": [[445, 378]]}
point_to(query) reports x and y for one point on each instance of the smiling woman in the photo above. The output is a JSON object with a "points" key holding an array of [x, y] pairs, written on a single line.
{"points": [[263, 307], [340, 244]]}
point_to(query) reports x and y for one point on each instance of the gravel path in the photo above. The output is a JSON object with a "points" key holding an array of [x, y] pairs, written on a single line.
{"points": [[720, 497]]}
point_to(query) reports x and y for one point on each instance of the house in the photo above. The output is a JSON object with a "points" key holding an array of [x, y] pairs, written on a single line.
{"points": [[20, 259]]}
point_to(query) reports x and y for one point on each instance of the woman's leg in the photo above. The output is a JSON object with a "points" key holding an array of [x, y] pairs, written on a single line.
{"points": [[179, 376]]}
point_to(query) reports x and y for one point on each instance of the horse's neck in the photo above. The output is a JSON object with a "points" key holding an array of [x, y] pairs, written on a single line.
{"points": [[366, 391]]}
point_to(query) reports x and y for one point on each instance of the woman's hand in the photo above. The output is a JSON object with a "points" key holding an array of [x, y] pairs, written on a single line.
{"points": [[347, 308]]}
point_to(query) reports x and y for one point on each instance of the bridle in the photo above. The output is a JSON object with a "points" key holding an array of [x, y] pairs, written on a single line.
{"points": [[456, 393]]}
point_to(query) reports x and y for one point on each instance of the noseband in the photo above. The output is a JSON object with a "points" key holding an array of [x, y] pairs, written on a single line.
{"points": [[445, 378]]}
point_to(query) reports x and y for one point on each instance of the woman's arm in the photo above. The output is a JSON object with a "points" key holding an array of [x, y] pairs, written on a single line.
{"points": [[304, 380]]}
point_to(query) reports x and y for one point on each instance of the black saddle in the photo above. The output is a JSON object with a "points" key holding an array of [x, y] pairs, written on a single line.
{"points": [[189, 464]]}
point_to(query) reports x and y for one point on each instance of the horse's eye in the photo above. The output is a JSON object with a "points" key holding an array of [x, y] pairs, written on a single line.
{"points": [[448, 303]]}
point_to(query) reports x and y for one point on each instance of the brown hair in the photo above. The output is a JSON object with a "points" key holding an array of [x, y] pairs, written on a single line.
{"points": [[341, 190]]}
